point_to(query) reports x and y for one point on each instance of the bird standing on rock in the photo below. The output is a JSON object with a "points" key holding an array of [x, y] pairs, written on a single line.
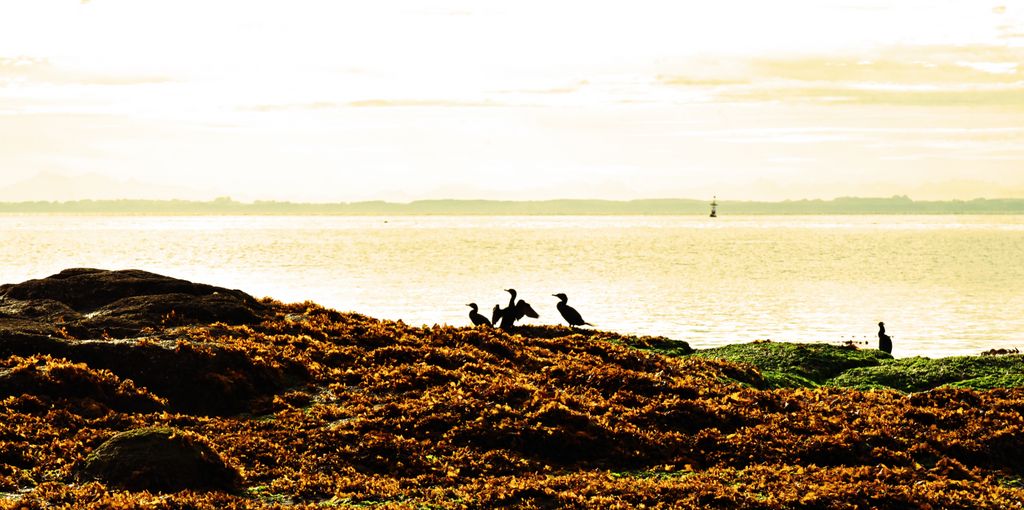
{"points": [[569, 313], [475, 316], [884, 342]]}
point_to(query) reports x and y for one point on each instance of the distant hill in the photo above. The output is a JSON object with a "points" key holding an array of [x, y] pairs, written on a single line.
{"points": [[226, 206]]}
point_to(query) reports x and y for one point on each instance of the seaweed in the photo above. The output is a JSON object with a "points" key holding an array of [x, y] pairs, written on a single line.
{"points": [[395, 416]]}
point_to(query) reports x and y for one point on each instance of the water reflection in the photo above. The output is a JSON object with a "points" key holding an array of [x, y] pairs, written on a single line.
{"points": [[942, 284]]}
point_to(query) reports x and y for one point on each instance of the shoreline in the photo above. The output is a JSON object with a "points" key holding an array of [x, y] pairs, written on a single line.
{"points": [[296, 404]]}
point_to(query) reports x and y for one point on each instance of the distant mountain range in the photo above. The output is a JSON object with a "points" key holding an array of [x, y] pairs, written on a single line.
{"points": [[226, 206]]}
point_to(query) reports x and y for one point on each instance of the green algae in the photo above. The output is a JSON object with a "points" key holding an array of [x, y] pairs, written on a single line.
{"points": [[792, 365], [921, 374], [788, 365]]}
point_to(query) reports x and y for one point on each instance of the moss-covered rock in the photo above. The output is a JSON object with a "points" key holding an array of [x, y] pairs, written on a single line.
{"points": [[921, 374], [159, 459], [658, 344], [776, 379], [786, 364]]}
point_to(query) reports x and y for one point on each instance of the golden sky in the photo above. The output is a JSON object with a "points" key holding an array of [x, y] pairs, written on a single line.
{"points": [[401, 100]]}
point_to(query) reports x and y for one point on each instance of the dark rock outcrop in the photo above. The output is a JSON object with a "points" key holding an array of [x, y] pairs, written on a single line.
{"points": [[128, 322], [129, 316], [85, 289], [159, 460], [120, 304]]}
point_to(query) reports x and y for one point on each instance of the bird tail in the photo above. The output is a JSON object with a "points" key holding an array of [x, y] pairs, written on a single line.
{"points": [[589, 324]]}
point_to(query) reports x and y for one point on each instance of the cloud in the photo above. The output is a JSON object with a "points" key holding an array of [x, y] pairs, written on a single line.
{"points": [[374, 103], [44, 71], [318, 105], [980, 75], [693, 81], [907, 68], [390, 103], [1007, 97], [566, 89]]}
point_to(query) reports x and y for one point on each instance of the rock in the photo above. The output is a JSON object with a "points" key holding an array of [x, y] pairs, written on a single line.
{"points": [[38, 309], [792, 364], [159, 460], [120, 304], [85, 290], [129, 316], [124, 322], [922, 374]]}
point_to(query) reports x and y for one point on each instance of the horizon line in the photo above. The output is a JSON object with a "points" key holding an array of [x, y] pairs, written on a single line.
{"points": [[225, 200]]}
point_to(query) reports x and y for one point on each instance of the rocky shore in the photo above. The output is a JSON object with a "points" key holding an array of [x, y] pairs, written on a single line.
{"points": [[127, 389]]}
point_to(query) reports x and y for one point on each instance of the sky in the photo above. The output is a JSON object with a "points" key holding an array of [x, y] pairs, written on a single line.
{"points": [[402, 100]]}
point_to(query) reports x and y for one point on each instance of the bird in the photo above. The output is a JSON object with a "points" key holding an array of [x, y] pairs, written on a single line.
{"points": [[512, 297], [508, 314], [515, 311], [884, 342], [496, 314], [569, 313], [476, 317]]}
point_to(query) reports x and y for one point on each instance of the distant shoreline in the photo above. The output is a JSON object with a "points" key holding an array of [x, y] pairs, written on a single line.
{"points": [[648, 207]]}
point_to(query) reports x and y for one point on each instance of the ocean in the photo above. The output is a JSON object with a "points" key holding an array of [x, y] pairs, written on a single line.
{"points": [[944, 285]]}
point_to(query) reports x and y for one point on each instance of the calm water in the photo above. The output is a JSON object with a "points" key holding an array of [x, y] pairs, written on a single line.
{"points": [[942, 284]]}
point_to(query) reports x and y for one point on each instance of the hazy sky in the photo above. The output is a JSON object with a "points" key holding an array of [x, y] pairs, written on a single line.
{"points": [[400, 100]]}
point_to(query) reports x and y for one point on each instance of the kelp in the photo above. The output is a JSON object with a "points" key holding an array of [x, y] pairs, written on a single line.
{"points": [[397, 416]]}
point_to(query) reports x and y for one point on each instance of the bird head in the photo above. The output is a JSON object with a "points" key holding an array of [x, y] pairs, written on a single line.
{"points": [[472, 305], [881, 324], [561, 296]]}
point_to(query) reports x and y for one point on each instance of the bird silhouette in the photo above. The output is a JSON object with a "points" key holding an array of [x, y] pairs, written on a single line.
{"points": [[569, 313], [884, 342], [496, 314], [511, 297], [476, 317], [508, 316], [515, 311]]}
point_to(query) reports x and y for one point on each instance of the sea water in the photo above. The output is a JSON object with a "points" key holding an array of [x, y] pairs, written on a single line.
{"points": [[943, 284]]}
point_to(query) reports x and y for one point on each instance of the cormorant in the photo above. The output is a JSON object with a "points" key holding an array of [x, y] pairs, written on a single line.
{"points": [[495, 314], [515, 311], [476, 317], [569, 313], [884, 342], [508, 315]]}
